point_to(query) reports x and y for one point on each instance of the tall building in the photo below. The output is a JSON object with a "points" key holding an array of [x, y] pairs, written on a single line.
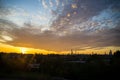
{"points": [[110, 52]]}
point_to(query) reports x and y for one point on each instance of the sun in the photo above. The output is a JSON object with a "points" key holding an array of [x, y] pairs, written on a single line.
{"points": [[23, 50]]}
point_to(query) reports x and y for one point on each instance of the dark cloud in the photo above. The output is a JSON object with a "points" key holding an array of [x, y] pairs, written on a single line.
{"points": [[50, 41], [7, 26], [84, 10]]}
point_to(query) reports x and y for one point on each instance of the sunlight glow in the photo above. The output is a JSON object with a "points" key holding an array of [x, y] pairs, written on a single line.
{"points": [[23, 50]]}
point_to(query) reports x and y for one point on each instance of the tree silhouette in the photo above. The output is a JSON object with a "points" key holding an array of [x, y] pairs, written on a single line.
{"points": [[117, 53]]}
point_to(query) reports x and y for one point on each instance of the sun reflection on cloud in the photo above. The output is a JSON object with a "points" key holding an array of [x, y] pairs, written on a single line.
{"points": [[7, 38]]}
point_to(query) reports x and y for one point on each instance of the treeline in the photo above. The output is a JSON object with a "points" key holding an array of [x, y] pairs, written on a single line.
{"points": [[71, 67]]}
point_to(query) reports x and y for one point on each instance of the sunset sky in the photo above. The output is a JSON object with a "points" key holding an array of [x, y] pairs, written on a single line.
{"points": [[57, 26]]}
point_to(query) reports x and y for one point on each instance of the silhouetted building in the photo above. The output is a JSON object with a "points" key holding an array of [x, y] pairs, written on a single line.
{"points": [[110, 52], [71, 51]]}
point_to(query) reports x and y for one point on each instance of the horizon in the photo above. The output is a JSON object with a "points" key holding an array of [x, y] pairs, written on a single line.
{"points": [[71, 52]]}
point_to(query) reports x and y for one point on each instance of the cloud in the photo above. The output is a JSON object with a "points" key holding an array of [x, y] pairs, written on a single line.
{"points": [[57, 2], [3, 10], [44, 4], [82, 24], [79, 11], [14, 14], [49, 40], [7, 38], [6, 30], [51, 3]]}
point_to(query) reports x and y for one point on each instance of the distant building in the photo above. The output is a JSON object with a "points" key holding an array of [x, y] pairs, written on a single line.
{"points": [[71, 51], [110, 52]]}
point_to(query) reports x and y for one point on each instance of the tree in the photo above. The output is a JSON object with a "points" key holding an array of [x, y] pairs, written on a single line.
{"points": [[117, 53]]}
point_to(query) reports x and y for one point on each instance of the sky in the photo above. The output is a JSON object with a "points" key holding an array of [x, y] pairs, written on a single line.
{"points": [[57, 26]]}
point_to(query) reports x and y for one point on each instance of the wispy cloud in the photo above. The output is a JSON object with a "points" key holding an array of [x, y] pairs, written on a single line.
{"points": [[44, 4]]}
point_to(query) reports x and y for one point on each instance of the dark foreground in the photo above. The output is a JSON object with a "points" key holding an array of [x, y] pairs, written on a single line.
{"points": [[59, 67]]}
